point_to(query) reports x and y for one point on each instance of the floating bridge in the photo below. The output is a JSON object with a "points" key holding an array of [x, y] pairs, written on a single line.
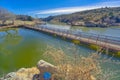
{"points": [[107, 42]]}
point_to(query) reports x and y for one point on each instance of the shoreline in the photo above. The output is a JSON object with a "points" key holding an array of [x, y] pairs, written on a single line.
{"points": [[91, 46], [33, 73]]}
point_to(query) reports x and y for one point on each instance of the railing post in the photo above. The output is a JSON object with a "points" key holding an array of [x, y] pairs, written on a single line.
{"points": [[97, 39], [106, 41], [89, 38]]}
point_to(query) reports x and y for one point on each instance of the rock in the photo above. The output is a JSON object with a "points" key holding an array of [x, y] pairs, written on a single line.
{"points": [[92, 77], [34, 73], [44, 66], [27, 73], [22, 74], [77, 23], [12, 74], [9, 76]]}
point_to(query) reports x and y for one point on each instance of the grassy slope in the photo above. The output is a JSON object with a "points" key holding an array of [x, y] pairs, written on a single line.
{"points": [[101, 15]]}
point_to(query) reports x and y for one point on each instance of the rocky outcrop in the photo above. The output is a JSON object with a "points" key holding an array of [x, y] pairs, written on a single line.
{"points": [[78, 23], [88, 24], [21, 74], [34, 73]]}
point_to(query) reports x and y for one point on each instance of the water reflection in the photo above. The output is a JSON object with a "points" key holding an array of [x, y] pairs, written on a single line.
{"points": [[18, 51], [9, 38]]}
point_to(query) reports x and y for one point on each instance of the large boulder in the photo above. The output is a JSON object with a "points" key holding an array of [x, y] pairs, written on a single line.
{"points": [[44, 66]]}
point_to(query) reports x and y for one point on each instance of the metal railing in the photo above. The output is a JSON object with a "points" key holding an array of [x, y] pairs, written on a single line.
{"points": [[102, 38]]}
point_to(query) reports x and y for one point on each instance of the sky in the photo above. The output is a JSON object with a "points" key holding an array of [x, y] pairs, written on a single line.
{"points": [[44, 8]]}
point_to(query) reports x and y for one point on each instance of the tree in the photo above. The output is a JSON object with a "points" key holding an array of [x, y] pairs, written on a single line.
{"points": [[6, 15], [30, 18], [24, 18]]}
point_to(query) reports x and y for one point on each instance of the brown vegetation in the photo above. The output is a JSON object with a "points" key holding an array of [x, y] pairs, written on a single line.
{"points": [[78, 67]]}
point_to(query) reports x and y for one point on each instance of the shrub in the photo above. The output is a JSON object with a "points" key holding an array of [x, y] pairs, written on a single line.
{"points": [[78, 67]]}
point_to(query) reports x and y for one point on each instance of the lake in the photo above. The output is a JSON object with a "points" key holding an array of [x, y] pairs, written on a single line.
{"points": [[24, 48]]}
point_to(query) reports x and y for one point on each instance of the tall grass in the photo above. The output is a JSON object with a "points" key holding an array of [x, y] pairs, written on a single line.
{"points": [[77, 67]]}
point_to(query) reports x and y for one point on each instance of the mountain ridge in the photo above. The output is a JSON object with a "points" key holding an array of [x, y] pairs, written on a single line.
{"points": [[101, 17]]}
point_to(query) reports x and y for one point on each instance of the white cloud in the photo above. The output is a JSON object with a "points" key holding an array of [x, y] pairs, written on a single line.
{"points": [[108, 3], [64, 10]]}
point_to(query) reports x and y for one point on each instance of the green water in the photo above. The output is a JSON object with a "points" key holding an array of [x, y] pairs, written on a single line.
{"points": [[24, 48], [19, 48]]}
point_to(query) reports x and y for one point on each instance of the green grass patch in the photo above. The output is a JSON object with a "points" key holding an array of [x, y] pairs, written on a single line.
{"points": [[76, 41], [94, 47]]}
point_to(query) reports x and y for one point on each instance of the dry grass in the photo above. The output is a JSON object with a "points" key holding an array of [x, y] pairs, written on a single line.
{"points": [[68, 68], [77, 67], [19, 22]]}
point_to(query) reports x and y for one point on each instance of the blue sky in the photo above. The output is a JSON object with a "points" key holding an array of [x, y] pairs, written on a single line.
{"points": [[45, 8]]}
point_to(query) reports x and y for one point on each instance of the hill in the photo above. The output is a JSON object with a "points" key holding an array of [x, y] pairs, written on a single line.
{"points": [[102, 17], [8, 18]]}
